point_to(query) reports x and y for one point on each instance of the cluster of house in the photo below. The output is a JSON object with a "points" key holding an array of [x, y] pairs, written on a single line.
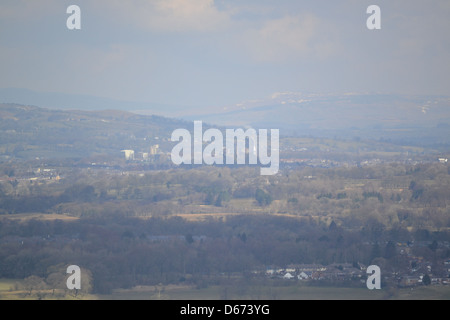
{"points": [[357, 272], [316, 272], [416, 275]]}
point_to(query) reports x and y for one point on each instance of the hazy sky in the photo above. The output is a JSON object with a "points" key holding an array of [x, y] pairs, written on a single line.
{"points": [[216, 53]]}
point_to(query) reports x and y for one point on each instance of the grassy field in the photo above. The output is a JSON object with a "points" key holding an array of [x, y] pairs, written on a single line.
{"points": [[9, 291], [282, 293]]}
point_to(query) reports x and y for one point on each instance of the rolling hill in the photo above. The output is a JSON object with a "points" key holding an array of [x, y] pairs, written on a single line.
{"points": [[400, 118], [29, 132]]}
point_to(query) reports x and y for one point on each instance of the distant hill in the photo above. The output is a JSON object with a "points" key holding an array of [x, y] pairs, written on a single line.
{"points": [[337, 111], [29, 132], [405, 119], [411, 119], [64, 101]]}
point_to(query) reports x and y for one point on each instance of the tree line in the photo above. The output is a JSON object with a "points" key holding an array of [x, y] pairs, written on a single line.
{"points": [[124, 252]]}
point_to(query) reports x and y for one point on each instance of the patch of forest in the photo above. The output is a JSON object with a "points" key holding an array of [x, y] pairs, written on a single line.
{"points": [[410, 196], [125, 252]]}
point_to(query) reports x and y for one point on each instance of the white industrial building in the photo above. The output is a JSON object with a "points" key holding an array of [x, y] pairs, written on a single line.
{"points": [[129, 154]]}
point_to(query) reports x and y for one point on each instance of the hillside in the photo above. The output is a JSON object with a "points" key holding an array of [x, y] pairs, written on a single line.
{"points": [[400, 118], [29, 132]]}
